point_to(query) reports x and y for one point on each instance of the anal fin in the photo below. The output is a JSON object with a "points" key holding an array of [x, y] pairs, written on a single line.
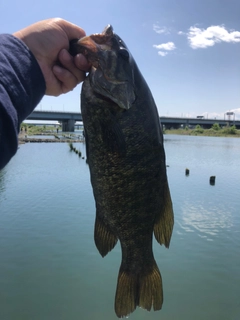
{"points": [[105, 240], [164, 223]]}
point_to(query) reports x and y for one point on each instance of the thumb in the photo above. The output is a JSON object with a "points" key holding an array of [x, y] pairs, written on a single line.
{"points": [[72, 30]]}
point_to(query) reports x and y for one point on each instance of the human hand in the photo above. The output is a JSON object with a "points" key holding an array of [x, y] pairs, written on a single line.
{"points": [[48, 40]]}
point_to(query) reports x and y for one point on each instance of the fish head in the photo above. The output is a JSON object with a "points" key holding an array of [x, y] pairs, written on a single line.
{"points": [[112, 71]]}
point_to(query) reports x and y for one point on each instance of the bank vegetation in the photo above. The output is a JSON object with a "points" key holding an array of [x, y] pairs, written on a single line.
{"points": [[215, 131], [31, 129]]}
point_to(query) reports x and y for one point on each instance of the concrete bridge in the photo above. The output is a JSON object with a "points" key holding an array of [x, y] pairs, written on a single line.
{"points": [[68, 120], [174, 122]]}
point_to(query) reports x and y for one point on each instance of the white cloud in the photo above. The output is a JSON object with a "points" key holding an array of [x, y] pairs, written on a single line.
{"points": [[162, 53], [159, 29], [219, 115], [213, 115], [236, 112], [169, 46], [165, 46], [203, 38]]}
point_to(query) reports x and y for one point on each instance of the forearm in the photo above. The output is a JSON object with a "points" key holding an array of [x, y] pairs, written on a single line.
{"points": [[22, 86]]}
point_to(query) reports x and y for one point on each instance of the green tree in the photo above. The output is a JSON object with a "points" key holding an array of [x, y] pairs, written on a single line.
{"points": [[198, 129], [216, 126], [232, 130]]}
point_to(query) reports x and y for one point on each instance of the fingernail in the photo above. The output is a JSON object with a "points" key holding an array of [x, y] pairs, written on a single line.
{"points": [[81, 58], [81, 62], [65, 55]]}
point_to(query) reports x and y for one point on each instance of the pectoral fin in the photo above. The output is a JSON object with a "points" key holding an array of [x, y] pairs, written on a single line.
{"points": [[164, 223], [105, 240]]}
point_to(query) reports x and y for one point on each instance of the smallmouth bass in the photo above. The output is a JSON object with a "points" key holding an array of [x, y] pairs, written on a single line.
{"points": [[125, 153]]}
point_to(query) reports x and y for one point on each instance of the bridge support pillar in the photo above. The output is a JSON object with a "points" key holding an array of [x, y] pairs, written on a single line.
{"points": [[68, 125]]}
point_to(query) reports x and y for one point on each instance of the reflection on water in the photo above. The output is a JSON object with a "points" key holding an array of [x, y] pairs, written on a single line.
{"points": [[50, 268], [207, 222]]}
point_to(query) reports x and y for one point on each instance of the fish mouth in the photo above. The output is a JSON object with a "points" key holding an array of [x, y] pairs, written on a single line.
{"points": [[90, 46], [95, 42], [102, 52]]}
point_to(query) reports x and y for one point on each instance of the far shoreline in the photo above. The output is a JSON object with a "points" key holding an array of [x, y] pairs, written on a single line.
{"points": [[215, 131]]}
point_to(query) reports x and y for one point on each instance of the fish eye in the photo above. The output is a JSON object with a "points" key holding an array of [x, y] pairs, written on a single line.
{"points": [[124, 53]]}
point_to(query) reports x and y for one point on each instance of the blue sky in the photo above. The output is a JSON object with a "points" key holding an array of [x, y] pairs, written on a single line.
{"points": [[187, 50]]}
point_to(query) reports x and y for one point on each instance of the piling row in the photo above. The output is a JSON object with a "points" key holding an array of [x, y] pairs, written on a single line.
{"points": [[74, 149], [212, 179]]}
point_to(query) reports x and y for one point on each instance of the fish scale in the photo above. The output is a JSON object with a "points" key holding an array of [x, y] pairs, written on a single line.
{"points": [[126, 159]]}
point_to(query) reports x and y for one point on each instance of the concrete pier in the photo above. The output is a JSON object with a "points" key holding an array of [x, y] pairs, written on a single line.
{"points": [[68, 125]]}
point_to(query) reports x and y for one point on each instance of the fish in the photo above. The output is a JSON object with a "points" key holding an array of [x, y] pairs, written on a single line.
{"points": [[126, 158]]}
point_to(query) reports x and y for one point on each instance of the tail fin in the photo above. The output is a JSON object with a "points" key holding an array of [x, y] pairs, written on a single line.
{"points": [[143, 290]]}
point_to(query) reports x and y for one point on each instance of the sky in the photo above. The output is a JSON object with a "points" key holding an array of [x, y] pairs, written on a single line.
{"points": [[187, 50]]}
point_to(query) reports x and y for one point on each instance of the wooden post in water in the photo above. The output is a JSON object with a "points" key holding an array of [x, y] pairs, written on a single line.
{"points": [[212, 180]]}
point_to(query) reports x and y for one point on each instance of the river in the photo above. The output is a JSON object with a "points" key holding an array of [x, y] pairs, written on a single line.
{"points": [[50, 268]]}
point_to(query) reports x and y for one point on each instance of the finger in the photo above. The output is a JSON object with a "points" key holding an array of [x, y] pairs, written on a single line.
{"points": [[81, 62], [67, 62], [67, 79]]}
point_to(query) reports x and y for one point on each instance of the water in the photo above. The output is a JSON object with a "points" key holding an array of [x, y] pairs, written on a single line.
{"points": [[50, 268]]}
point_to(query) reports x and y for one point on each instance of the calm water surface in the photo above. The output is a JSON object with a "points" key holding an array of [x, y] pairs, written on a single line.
{"points": [[50, 268]]}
